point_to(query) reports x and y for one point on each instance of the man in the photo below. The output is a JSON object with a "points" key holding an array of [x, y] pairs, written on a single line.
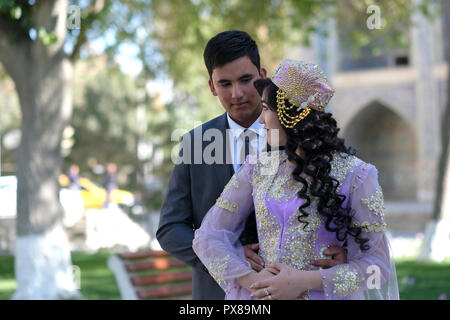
{"points": [[74, 177], [110, 182], [233, 64]]}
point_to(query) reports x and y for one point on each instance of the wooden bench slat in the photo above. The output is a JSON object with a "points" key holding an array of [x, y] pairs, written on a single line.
{"points": [[189, 297], [164, 291], [142, 254], [161, 278], [157, 264], [151, 275]]}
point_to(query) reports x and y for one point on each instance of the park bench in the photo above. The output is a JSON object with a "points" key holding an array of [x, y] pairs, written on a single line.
{"points": [[151, 275]]}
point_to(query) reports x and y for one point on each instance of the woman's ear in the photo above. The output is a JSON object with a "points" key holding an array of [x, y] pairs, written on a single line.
{"points": [[263, 73]]}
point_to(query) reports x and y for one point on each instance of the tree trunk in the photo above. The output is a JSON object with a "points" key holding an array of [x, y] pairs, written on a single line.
{"points": [[436, 241], [443, 184], [42, 264], [42, 75], [442, 205]]}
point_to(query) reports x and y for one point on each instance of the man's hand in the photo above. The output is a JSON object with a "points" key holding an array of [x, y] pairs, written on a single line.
{"points": [[338, 256], [256, 262]]}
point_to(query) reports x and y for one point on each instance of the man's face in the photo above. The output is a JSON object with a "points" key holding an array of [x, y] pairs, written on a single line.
{"points": [[233, 84]]}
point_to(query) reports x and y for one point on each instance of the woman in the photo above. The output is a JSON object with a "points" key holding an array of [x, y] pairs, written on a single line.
{"points": [[309, 196]]}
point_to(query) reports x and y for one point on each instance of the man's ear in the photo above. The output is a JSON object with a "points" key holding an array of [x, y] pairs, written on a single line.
{"points": [[263, 73], [212, 88]]}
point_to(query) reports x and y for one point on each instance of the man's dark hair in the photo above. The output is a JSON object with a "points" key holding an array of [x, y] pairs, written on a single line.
{"points": [[228, 46]]}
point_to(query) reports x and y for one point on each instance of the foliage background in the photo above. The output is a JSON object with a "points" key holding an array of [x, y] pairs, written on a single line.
{"points": [[167, 38]]}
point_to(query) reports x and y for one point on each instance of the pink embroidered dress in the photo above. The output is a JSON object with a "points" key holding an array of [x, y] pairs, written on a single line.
{"points": [[265, 184]]}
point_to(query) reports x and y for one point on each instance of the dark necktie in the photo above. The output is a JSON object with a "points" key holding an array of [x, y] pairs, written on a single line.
{"points": [[247, 135]]}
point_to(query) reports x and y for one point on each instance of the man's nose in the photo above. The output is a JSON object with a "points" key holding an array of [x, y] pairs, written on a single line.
{"points": [[236, 91]]}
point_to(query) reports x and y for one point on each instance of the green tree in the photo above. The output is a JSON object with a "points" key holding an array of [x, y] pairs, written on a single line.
{"points": [[104, 116], [37, 52], [9, 121]]}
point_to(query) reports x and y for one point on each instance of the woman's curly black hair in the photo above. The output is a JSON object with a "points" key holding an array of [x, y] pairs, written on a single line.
{"points": [[316, 135]]}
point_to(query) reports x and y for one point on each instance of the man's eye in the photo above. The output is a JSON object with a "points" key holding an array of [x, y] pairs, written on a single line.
{"points": [[225, 84]]}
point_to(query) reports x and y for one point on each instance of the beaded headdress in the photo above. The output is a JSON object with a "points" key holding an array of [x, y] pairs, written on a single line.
{"points": [[305, 86]]}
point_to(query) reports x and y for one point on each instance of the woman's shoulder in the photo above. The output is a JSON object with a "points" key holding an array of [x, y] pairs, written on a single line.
{"points": [[346, 166]]}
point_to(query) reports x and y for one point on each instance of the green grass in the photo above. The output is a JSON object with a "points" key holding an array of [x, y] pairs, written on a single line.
{"points": [[417, 280], [97, 281], [423, 280], [7, 281]]}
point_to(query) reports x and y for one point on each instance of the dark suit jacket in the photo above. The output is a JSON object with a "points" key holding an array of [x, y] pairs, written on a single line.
{"points": [[193, 190]]}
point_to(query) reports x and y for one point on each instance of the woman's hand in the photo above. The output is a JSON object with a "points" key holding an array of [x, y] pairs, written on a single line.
{"points": [[250, 278], [288, 284]]}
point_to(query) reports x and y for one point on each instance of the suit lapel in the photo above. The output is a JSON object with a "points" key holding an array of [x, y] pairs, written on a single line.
{"points": [[224, 171]]}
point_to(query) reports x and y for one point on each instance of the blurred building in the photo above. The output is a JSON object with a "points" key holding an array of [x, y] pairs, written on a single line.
{"points": [[389, 106]]}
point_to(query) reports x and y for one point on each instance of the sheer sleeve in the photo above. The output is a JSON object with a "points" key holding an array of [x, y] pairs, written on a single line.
{"points": [[368, 274], [216, 242]]}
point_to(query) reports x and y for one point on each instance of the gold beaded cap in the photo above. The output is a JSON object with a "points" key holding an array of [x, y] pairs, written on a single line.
{"points": [[305, 86]]}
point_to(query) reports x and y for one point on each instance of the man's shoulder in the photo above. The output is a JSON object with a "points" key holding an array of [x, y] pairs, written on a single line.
{"points": [[196, 136], [219, 122]]}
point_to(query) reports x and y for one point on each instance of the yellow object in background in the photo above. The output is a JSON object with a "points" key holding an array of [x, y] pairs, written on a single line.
{"points": [[94, 196]]}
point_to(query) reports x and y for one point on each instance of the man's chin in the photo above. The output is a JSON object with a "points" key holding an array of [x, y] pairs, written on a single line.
{"points": [[242, 115]]}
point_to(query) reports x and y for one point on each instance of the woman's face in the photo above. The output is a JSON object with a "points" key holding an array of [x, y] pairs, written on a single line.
{"points": [[276, 136]]}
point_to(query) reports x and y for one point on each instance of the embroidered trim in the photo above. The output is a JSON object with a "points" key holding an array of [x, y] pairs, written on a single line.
{"points": [[347, 281], [341, 166], [225, 204], [375, 203], [322, 256], [268, 162], [266, 222], [371, 227], [217, 268], [284, 187], [269, 227], [356, 175], [233, 183]]}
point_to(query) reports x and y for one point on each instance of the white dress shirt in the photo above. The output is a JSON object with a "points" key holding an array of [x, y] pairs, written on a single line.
{"points": [[237, 142]]}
